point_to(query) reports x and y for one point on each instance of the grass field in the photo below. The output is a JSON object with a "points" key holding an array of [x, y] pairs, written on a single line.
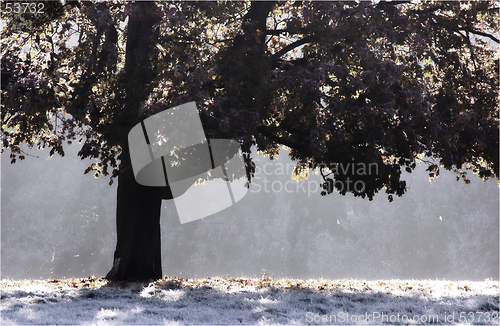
{"points": [[236, 301]]}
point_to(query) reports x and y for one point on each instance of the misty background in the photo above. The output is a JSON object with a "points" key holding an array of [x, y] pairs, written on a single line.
{"points": [[57, 222]]}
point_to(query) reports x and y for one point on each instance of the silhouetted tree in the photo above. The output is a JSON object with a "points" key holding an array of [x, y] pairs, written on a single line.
{"points": [[343, 85]]}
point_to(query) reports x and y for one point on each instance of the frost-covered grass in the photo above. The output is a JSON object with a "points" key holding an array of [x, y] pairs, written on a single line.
{"points": [[248, 301]]}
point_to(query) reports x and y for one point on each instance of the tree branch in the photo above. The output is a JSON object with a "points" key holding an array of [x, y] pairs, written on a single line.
{"points": [[295, 63], [473, 31], [292, 46], [258, 12], [276, 32], [281, 140]]}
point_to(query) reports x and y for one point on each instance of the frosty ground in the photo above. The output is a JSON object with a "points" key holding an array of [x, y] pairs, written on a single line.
{"points": [[176, 301]]}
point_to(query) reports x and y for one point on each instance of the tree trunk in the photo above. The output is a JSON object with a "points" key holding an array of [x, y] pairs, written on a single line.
{"points": [[138, 250]]}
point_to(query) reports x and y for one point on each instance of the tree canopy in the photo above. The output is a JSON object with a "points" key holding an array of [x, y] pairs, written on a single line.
{"points": [[336, 83]]}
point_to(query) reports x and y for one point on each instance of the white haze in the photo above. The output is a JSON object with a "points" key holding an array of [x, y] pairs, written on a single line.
{"points": [[57, 222]]}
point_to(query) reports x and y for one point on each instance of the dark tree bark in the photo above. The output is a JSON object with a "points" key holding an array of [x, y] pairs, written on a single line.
{"points": [[138, 249]]}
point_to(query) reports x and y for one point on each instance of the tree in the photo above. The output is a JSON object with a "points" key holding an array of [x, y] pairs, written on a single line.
{"points": [[342, 85]]}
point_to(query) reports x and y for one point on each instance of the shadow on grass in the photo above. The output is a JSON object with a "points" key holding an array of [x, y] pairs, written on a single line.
{"points": [[175, 302]]}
